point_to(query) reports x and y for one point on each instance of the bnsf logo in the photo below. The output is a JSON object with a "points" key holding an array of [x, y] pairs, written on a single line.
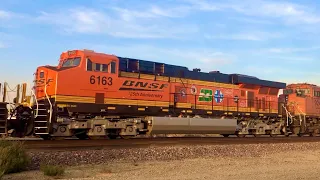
{"points": [[142, 86], [43, 81]]}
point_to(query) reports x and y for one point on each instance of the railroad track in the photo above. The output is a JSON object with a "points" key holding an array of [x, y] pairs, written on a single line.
{"points": [[75, 144]]}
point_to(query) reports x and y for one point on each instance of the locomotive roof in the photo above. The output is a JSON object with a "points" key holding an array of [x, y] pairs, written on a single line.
{"points": [[214, 76], [297, 85]]}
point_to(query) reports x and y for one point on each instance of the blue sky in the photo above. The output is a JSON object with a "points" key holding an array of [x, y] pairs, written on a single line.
{"points": [[273, 40]]}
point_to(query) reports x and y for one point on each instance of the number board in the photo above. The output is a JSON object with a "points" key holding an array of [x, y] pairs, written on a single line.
{"points": [[101, 80]]}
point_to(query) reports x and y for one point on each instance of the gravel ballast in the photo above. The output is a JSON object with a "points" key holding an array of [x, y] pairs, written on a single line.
{"points": [[177, 152]]}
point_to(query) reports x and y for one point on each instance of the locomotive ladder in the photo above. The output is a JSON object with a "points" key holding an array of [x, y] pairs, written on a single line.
{"points": [[3, 119], [43, 115], [288, 115], [301, 113], [41, 120]]}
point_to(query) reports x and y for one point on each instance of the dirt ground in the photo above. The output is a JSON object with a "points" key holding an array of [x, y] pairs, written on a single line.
{"points": [[292, 165]]}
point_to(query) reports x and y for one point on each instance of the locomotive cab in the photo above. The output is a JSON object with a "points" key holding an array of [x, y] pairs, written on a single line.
{"points": [[68, 75], [81, 77]]}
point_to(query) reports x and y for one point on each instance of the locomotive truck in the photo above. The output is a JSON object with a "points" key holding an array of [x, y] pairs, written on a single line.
{"points": [[97, 95]]}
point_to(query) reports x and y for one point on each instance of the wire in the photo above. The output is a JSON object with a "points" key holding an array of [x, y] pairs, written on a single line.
{"points": [[10, 89]]}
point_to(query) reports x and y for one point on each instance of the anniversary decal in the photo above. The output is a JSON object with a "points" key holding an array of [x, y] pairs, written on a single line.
{"points": [[143, 94]]}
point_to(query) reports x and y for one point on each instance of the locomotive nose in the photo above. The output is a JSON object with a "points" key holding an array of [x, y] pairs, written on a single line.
{"points": [[44, 82]]}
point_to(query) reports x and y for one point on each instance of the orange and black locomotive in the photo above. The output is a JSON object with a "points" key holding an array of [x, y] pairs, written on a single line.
{"points": [[90, 94], [86, 82]]}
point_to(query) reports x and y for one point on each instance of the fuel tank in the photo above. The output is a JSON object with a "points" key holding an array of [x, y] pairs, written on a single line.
{"points": [[177, 125]]}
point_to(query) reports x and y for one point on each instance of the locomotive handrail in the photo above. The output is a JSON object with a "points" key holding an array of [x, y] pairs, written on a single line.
{"points": [[229, 103], [45, 91], [36, 100], [183, 82], [288, 114], [300, 112]]}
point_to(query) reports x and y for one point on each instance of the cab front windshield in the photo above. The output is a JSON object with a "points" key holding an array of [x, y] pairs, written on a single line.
{"points": [[71, 62]]}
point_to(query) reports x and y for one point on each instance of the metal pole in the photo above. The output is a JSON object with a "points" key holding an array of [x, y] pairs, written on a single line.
{"points": [[18, 94], [212, 104], [24, 91], [4, 92], [0, 88], [238, 108], [195, 101]]}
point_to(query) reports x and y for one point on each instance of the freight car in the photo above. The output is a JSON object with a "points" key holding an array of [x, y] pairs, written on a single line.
{"points": [[94, 95]]}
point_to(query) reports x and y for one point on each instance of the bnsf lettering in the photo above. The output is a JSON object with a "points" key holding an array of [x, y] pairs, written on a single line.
{"points": [[141, 84], [42, 81], [128, 84], [160, 86], [154, 85]]}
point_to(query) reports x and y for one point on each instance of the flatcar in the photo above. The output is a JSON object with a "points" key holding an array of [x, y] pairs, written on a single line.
{"points": [[90, 94]]}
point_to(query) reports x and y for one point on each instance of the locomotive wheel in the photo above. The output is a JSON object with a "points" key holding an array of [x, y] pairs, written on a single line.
{"points": [[314, 133], [58, 138], [23, 123], [300, 134], [45, 137], [257, 135], [273, 135], [241, 135], [296, 131], [29, 127], [126, 137], [225, 135], [112, 136], [82, 136], [96, 137]]}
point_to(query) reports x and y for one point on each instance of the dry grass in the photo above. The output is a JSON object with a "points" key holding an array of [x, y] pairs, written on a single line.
{"points": [[282, 166], [50, 170], [13, 157]]}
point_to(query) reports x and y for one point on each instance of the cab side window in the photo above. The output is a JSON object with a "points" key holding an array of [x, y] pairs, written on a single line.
{"points": [[98, 67], [111, 67], [104, 68], [89, 65], [317, 93]]}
